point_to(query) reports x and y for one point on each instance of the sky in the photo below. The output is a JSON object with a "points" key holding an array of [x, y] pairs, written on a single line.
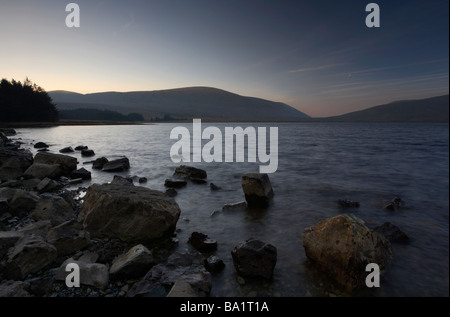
{"points": [[317, 56]]}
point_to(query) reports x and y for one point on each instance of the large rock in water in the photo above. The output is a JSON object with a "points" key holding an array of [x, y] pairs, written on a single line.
{"points": [[342, 246], [118, 165], [254, 258], [132, 214], [67, 163], [257, 189]]}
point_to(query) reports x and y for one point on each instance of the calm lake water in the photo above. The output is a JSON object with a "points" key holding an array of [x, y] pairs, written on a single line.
{"points": [[319, 163]]}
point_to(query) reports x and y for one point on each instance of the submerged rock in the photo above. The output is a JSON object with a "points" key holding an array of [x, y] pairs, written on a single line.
{"points": [[68, 149], [342, 246], [202, 242], [257, 189], [391, 232], [118, 165], [174, 184], [99, 163], [345, 203], [254, 258], [188, 172], [87, 152]]}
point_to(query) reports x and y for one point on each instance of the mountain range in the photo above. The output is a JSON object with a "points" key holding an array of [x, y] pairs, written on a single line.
{"points": [[213, 103], [182, 103]]}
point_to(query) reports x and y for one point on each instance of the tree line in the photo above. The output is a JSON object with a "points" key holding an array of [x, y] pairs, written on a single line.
{"points": [[25, 102], [98, 115]]}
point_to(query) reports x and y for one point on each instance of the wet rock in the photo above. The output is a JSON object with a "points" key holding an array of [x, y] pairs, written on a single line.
{"points": [[342, 246], [142, 180], [174, 184], [39, 228], [214, 187], [119, 180], [182, 288], [87, 152], [14, 163], [214, 264], [67, 163], [48, 185], [394, 204], [240, 206], [187, 172], [132, 264], [130, 213], [7, 240], [257, 189], [68, 237], [93, 274], [53, 208], [23, 201], [171, 192], [99, 163], [41, 171], [82, 173], [202, 243], [345, 203], [29, 255], [118, 165], [186, 266], [391, 232], [8, 131], [254, 258], [81, 147], [68, 149], [198, 181], [40, 145], [41, 285], [4, 206], [14, 289]]}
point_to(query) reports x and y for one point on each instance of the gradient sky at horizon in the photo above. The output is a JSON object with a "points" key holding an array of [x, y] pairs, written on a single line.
{"points": [[317, 56]]}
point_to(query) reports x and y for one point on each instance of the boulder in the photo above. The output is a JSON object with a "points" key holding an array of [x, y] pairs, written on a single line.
{"points": [[99, 163], [391, 232], [202, 243], [48, 185], [171, 192], [213, 264], [93, 274], [53, 208], [174, 184], [182, 288], [129, 213], [82, 173], [239, 206], [68, 149], [254, 258], [188, 172], [81, 147], [342, 246], [186, 266], [29, 255], [14, 163], [7, 240], [257, 189], [23, 201], [118, 165], [87, 152], [39, 228], [132, 264], [40, 145], [67, 163], [119, 180], [14, 289], [41, 171], [68, 237]]}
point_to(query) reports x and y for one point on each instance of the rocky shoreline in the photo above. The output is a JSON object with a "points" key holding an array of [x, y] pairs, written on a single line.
{"points": [[123, 237]]}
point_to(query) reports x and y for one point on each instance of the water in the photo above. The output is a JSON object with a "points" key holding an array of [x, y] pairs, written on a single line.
{"points": [[319, 163]]}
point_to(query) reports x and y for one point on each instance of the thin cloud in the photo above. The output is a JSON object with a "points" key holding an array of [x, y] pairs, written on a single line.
{"points": [[311, 69]]}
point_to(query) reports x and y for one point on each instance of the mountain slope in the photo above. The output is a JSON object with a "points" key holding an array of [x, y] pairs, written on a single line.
{"points": [[194, 102], [424, 110]]}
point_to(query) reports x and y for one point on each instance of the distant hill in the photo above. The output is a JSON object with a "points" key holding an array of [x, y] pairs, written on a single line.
{"points": [[424, 110], [182, 103]]}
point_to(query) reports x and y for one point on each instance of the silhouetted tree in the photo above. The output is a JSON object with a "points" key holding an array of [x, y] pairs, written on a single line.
{"points": [[25, 102]]}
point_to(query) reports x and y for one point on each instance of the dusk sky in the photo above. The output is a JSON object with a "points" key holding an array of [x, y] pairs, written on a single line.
{"points": [[317, 56]]}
